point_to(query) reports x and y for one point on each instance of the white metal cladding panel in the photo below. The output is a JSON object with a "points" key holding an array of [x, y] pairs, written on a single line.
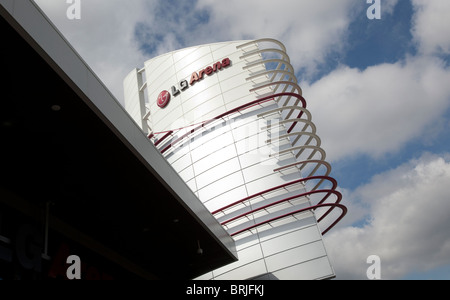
{"points": [[290, 240], [215, 158], [287, 227], [212, 107], [244, 272], [294, 256], [201, 59], [130, 87], [211, 132], [158, 73], [234, 76], [201, 89], [251, 129], [227, 183], [233, 82], [220, 142], [307, 260], [222, 50], [182, 53], [177, 151], [253, 150], [255, 143], [247, 256], [278, 195], [260, 170], [156, 67], [218, 172], [211, 146], [192, 103], [187, 174], [212, 113], [246, 240], [193, 186], [197, 59], [131, 97], [180, 158], [290, 255], [235, 99], [318, 268], [263, 215], [161, 122], [277, 209], [221, 200], [253, 157], [264, 183], [196, 97]]}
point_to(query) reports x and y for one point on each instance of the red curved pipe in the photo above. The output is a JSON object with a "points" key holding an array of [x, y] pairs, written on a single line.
{"points": [[239, 108], [333, 181], [338, 195], [344, 212], [320, 204], [163, 138]]}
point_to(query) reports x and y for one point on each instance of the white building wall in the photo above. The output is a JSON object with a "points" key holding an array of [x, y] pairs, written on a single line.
{"points": [[134, 102], [234, 156]]}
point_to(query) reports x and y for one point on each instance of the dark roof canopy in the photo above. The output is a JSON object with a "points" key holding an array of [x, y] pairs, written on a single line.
{"points": [[57, 145]]}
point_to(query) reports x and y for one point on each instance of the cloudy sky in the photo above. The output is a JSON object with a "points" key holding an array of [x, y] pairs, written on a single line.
{"points": [[378, 89]]}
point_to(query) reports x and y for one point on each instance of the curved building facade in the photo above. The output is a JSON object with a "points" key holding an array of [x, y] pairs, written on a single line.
{"points": [[231, 120]]}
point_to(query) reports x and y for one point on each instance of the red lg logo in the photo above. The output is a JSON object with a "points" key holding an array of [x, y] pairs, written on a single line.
{"points": [[163, 99], [164, 96]]}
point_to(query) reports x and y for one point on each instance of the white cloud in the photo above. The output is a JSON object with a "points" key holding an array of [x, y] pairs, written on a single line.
{"points": [[409, 223], [430, 26], [104, 36], [309, 29], [378, 110]]}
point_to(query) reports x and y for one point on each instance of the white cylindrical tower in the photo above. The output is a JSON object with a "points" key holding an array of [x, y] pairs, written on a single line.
{"points": [[231, 120]]}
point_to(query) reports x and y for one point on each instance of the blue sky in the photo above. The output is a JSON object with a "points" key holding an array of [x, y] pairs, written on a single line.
{"points": [[380, 41], [378, 90]]}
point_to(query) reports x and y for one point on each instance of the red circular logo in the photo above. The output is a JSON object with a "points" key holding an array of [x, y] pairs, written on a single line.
{"points": [[163, 99]]}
